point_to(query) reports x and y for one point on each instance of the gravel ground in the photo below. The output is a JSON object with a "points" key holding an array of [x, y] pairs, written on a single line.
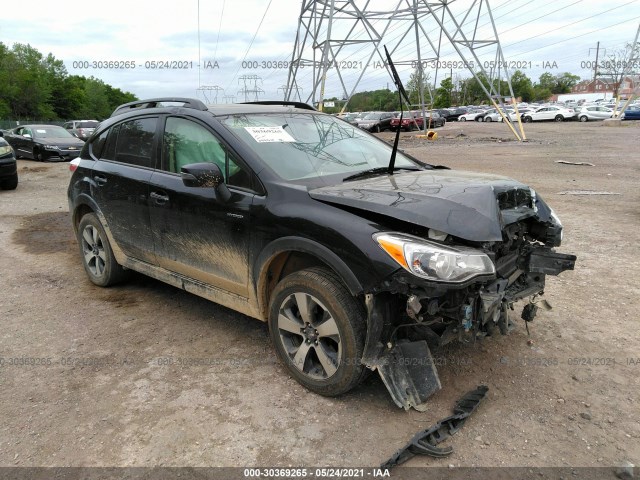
{"points": [[144, 374]]}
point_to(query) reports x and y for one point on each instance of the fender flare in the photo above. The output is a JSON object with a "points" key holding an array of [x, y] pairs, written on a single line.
{"points": [[302, 245]]}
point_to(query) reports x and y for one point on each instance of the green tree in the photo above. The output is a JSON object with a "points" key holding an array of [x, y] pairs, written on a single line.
{"points": [[565, 82], [561, 83], [444, 93], [39, 87], [522, 86]]}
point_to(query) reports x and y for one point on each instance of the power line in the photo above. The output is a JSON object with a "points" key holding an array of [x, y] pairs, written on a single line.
{"points": [[251, 43]]}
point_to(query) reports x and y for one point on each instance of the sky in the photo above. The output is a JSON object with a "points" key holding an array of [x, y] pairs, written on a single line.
{"points": [[226, 50]]}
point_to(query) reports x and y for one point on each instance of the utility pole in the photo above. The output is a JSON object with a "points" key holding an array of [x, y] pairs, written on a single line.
{"points": [[595, 66]]}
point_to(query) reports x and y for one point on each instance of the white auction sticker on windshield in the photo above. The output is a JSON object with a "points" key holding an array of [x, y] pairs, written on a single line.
{"points": [[40, 131], [269, 134]]}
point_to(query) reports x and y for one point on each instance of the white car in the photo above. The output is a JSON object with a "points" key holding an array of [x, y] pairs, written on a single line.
{"points": [[494, 116], [593, 112], [551, 112], [476, 115]]}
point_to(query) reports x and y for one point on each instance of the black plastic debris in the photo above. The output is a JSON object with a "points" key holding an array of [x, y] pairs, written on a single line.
{"points": [[424, 442]]}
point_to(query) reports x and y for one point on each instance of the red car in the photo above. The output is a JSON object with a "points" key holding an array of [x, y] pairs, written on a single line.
{"points": [[434, 120]]}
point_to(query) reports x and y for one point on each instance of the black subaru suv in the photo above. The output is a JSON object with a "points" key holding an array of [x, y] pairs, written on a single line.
{"points": [[299, 219]]}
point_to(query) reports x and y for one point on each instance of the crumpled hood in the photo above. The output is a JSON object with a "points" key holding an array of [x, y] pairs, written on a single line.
{"points": [[468, 205]]}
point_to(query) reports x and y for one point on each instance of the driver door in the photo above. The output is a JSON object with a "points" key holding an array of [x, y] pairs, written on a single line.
{"points": [[197, 234]]}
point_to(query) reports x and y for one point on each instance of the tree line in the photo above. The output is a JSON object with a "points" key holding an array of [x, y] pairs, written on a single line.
{"points": [[34, 86], [466, 91]]}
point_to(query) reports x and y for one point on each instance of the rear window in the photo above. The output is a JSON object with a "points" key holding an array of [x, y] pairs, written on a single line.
{"points": [[87, 124]]}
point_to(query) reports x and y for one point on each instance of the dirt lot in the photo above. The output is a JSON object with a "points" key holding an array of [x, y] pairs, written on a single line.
{"points": [[144, 374]]}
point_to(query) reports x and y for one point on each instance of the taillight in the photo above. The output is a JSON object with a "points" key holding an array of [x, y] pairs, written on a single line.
{"points": [[73, 164]]}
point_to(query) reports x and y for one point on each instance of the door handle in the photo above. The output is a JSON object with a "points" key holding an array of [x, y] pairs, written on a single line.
{"points": [[100, 180], [159, 198]]}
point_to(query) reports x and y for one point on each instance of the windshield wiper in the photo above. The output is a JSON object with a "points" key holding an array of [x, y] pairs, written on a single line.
{"points": [[374, 171], [401, 93]]}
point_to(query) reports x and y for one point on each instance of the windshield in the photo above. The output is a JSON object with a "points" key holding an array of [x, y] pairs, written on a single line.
{"points": [[373, 116], [51, 132], [306, 145]]}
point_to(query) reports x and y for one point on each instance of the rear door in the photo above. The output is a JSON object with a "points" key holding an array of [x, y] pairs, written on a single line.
{"points": [[195, 233], [126, 155]]}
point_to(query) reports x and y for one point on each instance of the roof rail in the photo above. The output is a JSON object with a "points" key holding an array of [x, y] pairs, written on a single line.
{"points": [[302, 105], [153, 103]]}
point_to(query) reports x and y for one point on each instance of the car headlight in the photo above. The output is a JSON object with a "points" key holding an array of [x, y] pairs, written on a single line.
{"points": [[433, 261], [5, 150]]}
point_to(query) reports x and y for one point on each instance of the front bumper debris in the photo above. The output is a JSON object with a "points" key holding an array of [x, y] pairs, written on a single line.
{"points": [[409, 373], [424, 442]]}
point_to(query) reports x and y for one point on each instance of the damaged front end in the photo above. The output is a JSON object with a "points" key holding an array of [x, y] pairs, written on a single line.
{"points": [[450, 288]]}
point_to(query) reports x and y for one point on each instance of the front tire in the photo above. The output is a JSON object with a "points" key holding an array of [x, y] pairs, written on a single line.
{"points": [[487, 119], [528, 119], [37, 155], [10, 183], [583, 118], [318, 330], [97, 257], [463, 119]]}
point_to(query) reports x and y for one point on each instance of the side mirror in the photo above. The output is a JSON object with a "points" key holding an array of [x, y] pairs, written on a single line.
{"points": [[205, 175]]}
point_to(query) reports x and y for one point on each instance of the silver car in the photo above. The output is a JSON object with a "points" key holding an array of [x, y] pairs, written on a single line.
{"points": [[593, 112], [81, 128]]}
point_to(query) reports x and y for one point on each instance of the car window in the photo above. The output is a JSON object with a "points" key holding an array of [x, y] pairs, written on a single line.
{"points": [[135, 142], [186, 142], [96, 147], [305, 145]]}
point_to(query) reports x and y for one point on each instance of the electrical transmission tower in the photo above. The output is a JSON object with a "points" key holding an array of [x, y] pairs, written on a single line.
{"points": [[250, 88], [631, 67], [296, 90], [229, 98], [203, 89], [334, 36]]}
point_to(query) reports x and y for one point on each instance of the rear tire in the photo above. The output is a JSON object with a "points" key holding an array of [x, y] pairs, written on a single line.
{"points": [[559, 118], [318, 330], [97, 257]]}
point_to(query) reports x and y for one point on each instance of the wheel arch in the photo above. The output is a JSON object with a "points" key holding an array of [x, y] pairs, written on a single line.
{"points": [[291, 254], [83, 205]]}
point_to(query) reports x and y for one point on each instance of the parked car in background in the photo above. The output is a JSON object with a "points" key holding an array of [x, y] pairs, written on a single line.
{"points": [[454, 113], [494, 116], [81, 128], [8, 167], [513, 116], [551, 112], [299, 220], [593, 112], [631, 113], [44, 142], [376, 121], [349, 118], [473, 115], [434, 120]]}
